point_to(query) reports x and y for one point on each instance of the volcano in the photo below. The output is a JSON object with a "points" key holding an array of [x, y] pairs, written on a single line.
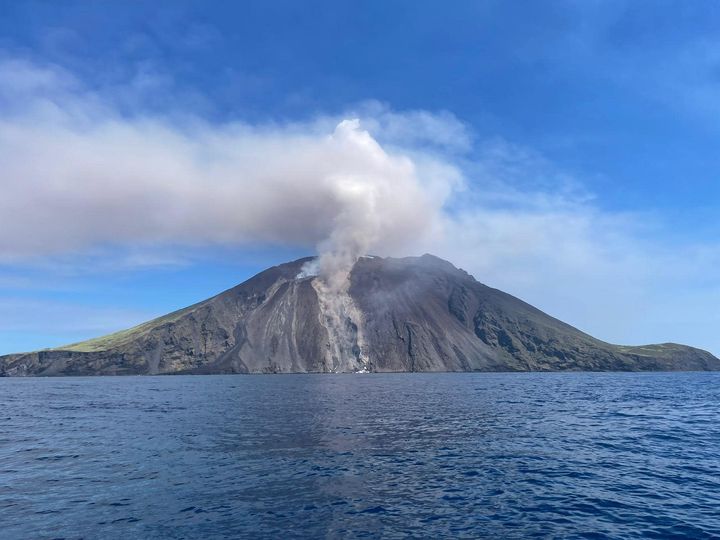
{"points": [[398, 315]]}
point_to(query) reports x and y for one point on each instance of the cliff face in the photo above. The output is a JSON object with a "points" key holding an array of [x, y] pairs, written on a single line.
{"points": [[411, 314]]}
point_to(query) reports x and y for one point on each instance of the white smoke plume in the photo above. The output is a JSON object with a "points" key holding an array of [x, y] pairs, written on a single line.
{"points": [[370, 203], [77, 175]]}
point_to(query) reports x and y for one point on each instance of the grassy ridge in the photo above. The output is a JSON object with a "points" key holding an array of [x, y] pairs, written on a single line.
{"points": [[124, 337]]}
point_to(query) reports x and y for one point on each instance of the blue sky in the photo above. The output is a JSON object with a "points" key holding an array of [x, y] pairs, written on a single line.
{"points": [[585, 136]]}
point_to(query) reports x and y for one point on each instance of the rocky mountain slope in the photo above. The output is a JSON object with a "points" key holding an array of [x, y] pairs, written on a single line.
{"points": [[410, 314]]}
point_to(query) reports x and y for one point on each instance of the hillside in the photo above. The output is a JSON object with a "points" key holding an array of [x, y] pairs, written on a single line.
{"points": [[411, 314]]}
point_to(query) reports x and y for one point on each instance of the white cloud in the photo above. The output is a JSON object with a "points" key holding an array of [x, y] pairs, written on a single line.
{"points": [[612, 275]]}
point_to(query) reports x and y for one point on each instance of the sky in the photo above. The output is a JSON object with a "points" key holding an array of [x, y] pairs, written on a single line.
{"points": [[153, 154]]}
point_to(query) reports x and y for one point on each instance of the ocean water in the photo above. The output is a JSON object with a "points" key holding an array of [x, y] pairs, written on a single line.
{"points": [[569, 455]]}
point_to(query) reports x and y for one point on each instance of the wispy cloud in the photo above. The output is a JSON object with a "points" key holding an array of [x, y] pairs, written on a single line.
{"points": [[622, 276]]}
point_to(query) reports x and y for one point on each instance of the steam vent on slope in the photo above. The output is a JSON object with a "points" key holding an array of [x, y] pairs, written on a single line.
{"points": [[388, 315]]}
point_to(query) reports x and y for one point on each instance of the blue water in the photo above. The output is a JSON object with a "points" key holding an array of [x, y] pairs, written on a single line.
{"points": [[361, 456]]}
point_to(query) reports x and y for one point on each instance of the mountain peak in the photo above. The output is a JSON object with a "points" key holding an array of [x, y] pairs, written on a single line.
{"points": [[394, 314]]}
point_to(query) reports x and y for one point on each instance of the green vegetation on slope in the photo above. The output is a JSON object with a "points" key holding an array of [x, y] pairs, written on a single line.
{"points": [[124, 337]]}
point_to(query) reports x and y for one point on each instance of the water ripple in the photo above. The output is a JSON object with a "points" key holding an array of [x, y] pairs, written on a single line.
{"points": [[395, 456]]}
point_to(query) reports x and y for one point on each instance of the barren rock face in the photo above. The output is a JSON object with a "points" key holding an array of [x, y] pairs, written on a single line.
{"points": [[411, 314]]}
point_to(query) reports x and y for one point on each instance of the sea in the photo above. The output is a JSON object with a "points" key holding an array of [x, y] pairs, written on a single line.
{"points": [[466, 455]]}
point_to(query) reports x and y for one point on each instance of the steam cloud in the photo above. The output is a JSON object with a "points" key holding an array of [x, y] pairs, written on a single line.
{"points": [[77, 175]]}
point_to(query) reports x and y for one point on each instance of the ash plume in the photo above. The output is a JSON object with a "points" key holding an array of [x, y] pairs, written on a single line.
{"points": [[144, 181], [357, 228]]}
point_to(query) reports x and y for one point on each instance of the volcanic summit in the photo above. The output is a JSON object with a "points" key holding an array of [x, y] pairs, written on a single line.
{"points": [[394, 315]]}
